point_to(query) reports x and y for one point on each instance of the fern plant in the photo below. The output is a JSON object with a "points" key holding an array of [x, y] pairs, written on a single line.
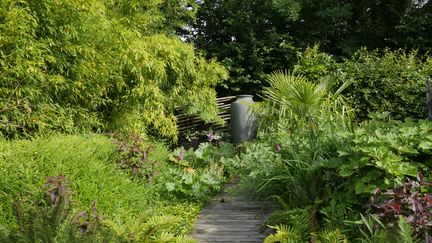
{"points": [[406, 233], [289, 234], [154, 229], [301, 225], [285, 234], [331, 236], [44, 219]]}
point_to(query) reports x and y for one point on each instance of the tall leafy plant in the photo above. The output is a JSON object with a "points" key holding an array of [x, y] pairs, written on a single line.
{"points": [[382, 153], [99, 65], [292, 97], [300, 120]]}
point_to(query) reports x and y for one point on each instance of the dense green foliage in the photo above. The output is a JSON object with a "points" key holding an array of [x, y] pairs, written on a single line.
{"points": [[197, 174], [328, 149], [392, 81], [253, 38], [323, 170], [342, 27], [99, 65], [81, 184], [382, 153]]}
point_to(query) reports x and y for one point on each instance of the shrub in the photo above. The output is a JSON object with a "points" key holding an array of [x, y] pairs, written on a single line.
{"points": [[314, 64], [392, 81], [312, 157], [382, 153], [98, 65], [89, 162], [334, 169], [135, 156], [412, 201], [301, 120]]}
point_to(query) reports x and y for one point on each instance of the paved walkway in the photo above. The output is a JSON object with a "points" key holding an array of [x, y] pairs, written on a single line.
{"points": [[232, 218]]}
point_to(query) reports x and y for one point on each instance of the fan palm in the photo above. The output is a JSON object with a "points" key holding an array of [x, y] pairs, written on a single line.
{"points": [[293, 97]]}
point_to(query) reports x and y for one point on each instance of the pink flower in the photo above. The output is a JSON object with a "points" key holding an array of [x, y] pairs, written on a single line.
{"points": [[181, 153], [277, 147], [210, 137]]}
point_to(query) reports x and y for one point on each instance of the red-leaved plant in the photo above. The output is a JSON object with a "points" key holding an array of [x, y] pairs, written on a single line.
{"points": [[411, 200], [89, 220], [57, 190], [135, 156]]}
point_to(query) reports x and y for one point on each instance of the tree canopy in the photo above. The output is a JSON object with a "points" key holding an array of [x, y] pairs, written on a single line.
{"points": [[255, 37], [103, 65]]}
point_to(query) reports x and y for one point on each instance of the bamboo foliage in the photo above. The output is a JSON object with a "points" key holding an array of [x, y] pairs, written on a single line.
{"points": [[75, 65]]}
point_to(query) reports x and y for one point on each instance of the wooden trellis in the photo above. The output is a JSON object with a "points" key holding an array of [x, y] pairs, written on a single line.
{"points": [[186, 122]]}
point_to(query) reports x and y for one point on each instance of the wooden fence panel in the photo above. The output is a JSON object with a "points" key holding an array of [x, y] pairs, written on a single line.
{"points": [[185, 122]]}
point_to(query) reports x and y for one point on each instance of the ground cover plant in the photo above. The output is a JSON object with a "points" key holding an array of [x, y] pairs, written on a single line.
{"points": [[198, 173], [96, 188]]}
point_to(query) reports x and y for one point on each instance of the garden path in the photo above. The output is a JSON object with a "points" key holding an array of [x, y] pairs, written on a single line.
{"points": [[232, 218]]}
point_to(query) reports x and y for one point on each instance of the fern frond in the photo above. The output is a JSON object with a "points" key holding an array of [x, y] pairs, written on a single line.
{"points": [[170, 238], [284, 234], [405, 231], [118, 229], [164, 237], [300, 221], [332, 236], [157, 225]]}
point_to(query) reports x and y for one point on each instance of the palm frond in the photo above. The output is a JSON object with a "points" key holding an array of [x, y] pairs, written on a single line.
{"points": [[293, 97]]}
